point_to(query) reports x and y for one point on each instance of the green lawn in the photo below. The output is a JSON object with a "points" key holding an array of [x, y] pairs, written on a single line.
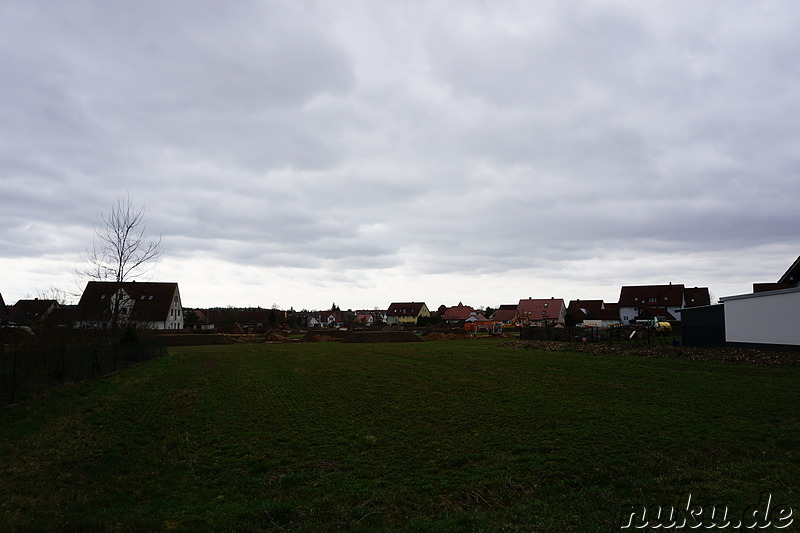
{"points": [[435, 436]]}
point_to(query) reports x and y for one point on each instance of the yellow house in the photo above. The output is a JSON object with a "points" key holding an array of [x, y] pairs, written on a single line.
{"points": [[406, 313]]}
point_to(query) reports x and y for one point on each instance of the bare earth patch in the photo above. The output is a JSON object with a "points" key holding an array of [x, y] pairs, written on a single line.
{"points": [[731, 354]]}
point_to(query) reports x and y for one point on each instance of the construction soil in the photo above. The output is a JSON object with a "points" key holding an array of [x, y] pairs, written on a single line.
{"points": [[361, 336], [753, 356]]}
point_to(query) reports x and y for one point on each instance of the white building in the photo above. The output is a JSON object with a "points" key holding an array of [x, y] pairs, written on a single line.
{"points": [[763, 318]]}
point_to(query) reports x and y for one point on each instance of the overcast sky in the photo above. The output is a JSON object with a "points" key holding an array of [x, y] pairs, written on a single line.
{"points": [[301, 153]]}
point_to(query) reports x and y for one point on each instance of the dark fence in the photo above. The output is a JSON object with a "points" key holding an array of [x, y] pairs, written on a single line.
{"points": [[31, 366], [635, 335]]}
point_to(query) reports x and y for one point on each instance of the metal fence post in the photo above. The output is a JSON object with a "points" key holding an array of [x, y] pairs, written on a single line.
{"points": [[14, 376]]}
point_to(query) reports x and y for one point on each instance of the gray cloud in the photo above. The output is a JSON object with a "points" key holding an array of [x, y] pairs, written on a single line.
{"points": [[375, 149]]}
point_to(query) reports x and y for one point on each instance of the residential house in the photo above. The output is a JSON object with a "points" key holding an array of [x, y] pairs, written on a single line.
{"points": [[661, 302], [792, 276], [457, 314], [476, 316], [406, 313], [365, 319], [378, 316], [156, 305], [580, 310], [506, 313], [203, 321], [543, 311], [3, 308], [789, 280], [765, 318], [335, 319], [61, 317], [31, 312], [593, 313]]}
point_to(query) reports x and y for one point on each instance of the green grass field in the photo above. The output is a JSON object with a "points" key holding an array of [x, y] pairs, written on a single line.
{"points": [[435, 436]]}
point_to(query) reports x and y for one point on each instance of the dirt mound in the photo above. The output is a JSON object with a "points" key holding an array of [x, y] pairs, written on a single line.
{"points": [[318, 337], [274, 335], [441, 336]]}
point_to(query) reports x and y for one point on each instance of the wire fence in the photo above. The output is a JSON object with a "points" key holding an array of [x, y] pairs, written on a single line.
{"points": [[31, 366]]}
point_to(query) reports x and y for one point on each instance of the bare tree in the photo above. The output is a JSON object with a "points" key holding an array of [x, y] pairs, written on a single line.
{"points": [[120, 249], [51, 293]]}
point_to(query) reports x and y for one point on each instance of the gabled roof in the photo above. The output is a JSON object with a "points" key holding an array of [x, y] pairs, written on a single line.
{"points": [[505, 313], [541, 309], [151, 300], [35, 310], [457, 312], [476, 316], [338, 316], [792, 276], [405, 308], [651, 296], [610, 312], [584, 308], [2, 306]]}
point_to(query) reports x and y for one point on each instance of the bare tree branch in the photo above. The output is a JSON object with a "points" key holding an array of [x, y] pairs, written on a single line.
{"points": [[120, 250]]}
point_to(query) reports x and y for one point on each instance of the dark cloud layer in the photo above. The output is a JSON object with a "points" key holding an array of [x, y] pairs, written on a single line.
{"points": [[292, 151]]}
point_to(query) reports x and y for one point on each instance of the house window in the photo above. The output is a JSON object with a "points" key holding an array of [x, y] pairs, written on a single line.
{"points": [[651, 300]]}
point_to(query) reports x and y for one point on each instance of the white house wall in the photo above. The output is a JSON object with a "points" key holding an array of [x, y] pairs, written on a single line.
{"points": [[763, 318]]}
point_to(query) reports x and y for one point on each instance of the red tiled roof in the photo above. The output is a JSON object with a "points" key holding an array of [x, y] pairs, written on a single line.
{"points": [[505, 313], [541, 309], [457, 312], [651, 296]]}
